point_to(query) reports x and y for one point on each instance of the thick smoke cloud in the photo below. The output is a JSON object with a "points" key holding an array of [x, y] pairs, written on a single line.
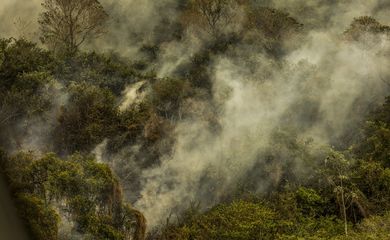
{"points": [[341, 76], [338, 78]]}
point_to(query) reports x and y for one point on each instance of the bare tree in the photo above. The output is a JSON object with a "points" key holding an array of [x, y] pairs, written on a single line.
{"points": [[213, 11], [66, 24], [209, 15]]}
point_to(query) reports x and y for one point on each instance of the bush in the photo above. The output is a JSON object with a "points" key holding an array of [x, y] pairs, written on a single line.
{"points": [[89, 117]]}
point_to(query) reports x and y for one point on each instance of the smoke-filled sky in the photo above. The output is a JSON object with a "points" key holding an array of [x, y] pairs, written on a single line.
{"points": [[19, 17], [333, 74], [131, 17]]}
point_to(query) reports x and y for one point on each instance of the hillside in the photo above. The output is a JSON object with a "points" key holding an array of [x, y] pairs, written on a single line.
{"points": [[196, 119]]}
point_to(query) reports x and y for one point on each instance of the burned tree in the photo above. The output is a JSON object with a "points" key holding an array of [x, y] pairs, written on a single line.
{"points": [[66, 24]]}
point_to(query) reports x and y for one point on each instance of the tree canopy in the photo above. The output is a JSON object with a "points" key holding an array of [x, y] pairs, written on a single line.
{"points": [[66, 24]]}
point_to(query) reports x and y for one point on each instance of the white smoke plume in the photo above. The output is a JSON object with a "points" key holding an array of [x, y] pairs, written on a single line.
{"points": [[131, 95], [326, 70]]}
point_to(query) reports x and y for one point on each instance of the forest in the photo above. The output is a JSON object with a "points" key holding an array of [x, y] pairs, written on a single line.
{"points": [[195, 119]]}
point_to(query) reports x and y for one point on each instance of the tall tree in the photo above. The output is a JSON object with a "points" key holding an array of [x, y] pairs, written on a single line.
{"points": [[338, 171], [66, 24], [212, 11]]}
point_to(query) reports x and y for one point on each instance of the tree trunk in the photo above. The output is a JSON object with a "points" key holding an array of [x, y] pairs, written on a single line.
{"points": [[344, 209]]}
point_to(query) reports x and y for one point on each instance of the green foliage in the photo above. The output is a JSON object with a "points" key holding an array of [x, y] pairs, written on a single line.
{"points": [[303, 214], [85, 190], [40, 219], [374, 144], [309, 202], [373, 228], [26, 88], [313, 228], [24, 72], [102, 70], [167, 95], [131, 126], [30, 95], [374, 181], [88, 118], [252, 220], [238, 220], [21, 56]]}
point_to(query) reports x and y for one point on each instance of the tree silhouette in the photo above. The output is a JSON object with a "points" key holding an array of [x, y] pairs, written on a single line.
{"points": [[66, 24]]}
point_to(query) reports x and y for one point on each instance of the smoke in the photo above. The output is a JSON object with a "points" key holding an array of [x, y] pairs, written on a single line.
{"points": [[135, 23], [177, 53], [321, 89], [200, 153], [131, 95], [19, 18], [36, 132], [99, 151]]}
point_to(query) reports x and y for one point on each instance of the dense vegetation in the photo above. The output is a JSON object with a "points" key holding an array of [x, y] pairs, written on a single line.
{"points": [[60, 105]]}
